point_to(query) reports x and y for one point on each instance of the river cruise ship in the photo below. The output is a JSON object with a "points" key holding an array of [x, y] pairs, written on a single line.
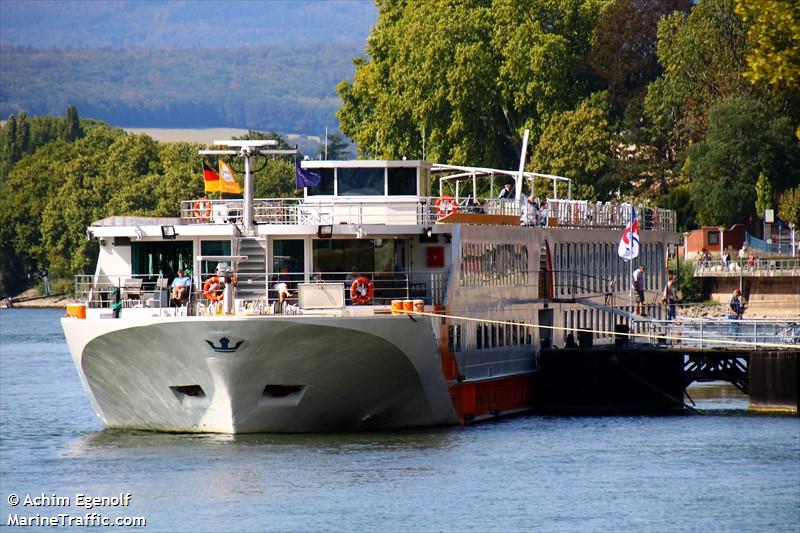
{"points": [[387, 296]]}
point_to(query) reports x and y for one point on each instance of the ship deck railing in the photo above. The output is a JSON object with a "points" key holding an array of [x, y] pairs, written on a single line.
{"points": [[258, 290], [422, 211], [760, 267], [135, 290], [722, 333]]}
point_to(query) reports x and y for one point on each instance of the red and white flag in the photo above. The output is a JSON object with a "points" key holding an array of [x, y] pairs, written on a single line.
{"points": [[629, 243]]}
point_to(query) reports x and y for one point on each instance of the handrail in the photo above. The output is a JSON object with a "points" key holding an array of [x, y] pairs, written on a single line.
{"points": [[429, 286], [422, 211], [744, 267], [139, 290], [724, 333]]}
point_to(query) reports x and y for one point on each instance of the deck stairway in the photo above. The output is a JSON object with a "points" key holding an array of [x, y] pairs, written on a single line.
{"points": [[251, 273]]}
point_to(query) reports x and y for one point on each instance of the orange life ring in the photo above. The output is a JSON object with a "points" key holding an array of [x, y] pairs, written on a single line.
{"points": [[362, 290], [201, 209], [215, 295], [445, 205]]}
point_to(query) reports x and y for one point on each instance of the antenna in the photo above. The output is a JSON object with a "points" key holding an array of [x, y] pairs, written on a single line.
{"points": [[247, 150]]}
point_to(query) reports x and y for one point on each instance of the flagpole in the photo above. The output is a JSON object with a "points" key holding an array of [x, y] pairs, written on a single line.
{"points": [[630, 276]]}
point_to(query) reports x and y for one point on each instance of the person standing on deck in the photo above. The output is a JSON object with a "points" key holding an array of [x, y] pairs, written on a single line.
{"points": [[638, 286], [671, 297], [507, 193]]}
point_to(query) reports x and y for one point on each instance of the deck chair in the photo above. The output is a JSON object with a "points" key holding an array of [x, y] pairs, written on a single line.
{"points": [[132, 289]]}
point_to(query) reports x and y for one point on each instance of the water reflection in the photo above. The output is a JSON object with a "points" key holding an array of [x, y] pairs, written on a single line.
{"points": [[118, 440]]}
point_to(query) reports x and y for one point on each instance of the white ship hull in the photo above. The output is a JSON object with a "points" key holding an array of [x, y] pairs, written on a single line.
{"points": [[286, 374]]}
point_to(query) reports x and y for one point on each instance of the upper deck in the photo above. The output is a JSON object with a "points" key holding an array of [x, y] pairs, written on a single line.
{"points": [[396, 193]]}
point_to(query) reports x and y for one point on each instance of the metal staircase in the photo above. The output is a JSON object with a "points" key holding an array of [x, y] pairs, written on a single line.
{"points": [[251, 274]]}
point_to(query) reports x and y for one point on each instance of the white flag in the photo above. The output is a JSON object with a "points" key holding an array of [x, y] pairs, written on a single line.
{"points": [[629, 243]]}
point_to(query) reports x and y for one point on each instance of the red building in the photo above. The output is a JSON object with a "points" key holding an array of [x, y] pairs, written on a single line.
{"points": [[713, 239]]}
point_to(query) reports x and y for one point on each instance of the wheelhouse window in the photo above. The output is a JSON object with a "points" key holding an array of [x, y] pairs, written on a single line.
{"points": [[338, 255], [402, 181], [361, 182], [165, 258], [288, 252], [325, 187]]}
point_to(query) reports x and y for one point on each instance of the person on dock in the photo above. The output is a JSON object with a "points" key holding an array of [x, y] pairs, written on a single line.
{"points": [[638, 286], [735, 311]]}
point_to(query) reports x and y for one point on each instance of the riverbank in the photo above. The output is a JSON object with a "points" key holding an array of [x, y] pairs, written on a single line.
{"points": [[31, 298]]}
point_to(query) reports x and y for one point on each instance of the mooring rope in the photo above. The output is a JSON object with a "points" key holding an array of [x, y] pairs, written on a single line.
{"points": [[611, 333]]}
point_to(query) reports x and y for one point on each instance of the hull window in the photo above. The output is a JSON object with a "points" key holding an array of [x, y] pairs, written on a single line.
{"points": [[189, 390], [281, 391]]}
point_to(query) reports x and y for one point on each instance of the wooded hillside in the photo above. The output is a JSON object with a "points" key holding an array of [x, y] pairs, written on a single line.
{"points": [[287, 89]]}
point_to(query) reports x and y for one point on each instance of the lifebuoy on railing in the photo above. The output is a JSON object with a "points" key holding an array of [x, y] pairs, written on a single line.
{"points": [[445, 205], [362, 290], [213, 288], [201, 209]]}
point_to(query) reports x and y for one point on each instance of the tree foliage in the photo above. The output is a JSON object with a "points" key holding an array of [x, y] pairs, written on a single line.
{"points": [[763, 195], [702, 54], [466, 78], [336, 148], [50, 196], [789, 206], [744, 139], [623, 52], [774, 34], [578, 145]]}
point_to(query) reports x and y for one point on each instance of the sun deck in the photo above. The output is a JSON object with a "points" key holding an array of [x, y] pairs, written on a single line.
{"points": [[423, 211]]}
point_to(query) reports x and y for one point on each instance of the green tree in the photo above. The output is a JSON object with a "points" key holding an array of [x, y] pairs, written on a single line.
{"points": [[24, 195], [337, 148], [276, 177], [789, 206], [774, 35], [23, 137], [623, 52], [763, 195], [466, 78], [73, 130], [744, 139], [276, 180], [702, 55], [578, 145], [679, 199]]}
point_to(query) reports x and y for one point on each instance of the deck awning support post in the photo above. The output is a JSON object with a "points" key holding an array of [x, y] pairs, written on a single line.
{"points": [[522, 156], [247, 213]]}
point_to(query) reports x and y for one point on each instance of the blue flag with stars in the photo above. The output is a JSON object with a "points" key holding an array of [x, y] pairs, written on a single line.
{"points": [[305, 177]]}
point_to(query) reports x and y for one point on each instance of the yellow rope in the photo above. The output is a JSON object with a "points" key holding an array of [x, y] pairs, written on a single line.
{"points": [[628, 334]]}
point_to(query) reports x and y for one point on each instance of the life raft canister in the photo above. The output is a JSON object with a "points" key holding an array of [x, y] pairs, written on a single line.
{"points": [[362, 290], [201, 209], [445, 205]]}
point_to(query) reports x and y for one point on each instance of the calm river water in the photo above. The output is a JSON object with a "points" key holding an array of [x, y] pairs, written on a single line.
{"points": [[726, 471]]}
